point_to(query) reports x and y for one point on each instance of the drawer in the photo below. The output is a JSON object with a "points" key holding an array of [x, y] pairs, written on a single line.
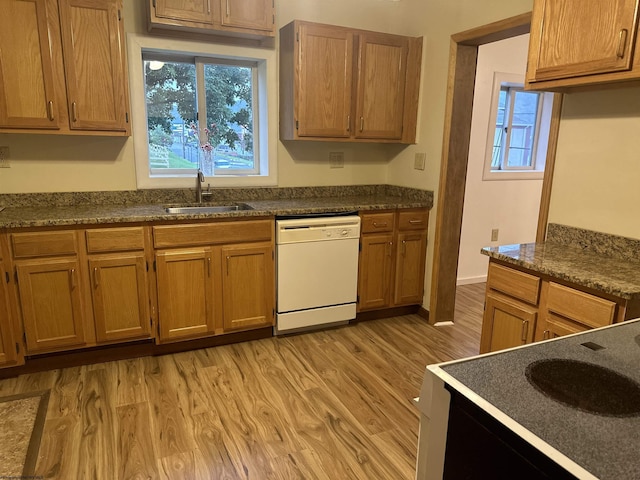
{"points": [[167, 236], [579, 306], [115, 239], [559, 327], [43, 244], [413, 219], [377, 222], [515, 283]]}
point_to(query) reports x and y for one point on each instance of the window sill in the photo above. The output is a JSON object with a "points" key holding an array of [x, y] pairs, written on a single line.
{"points": [[514, 175]]}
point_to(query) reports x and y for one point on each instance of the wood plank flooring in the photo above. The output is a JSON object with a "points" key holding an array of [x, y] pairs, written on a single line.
{"points": [[328, 405]]}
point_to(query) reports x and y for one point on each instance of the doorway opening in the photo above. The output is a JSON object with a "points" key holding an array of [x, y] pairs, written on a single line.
{"points": [[459, 104]]}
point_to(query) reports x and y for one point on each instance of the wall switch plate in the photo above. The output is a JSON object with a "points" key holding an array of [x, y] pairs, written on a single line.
{"points": [[419, 161], [4, 157], [494, 235], [336, 159]]}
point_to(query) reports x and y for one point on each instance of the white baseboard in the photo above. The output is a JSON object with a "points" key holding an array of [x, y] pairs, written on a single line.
{"points": [[470, 280]]}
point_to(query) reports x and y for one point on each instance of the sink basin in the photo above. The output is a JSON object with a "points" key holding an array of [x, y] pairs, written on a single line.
{"points": [[207, 208]]}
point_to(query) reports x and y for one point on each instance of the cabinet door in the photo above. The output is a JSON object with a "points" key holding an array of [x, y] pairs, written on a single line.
{"points": [[249, 14], [556, 326], [8, 344], [324, 81], [248, 287], [185, 10], [27, 96], [120, 297], [410, 265], [185, 300], [50, 298], [571, 38], [93, 46], [506, 323], [374, 271], [381, 82]]}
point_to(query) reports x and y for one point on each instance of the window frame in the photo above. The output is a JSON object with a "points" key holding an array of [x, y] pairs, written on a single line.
{"points": [[265, 118], [513, 83]]}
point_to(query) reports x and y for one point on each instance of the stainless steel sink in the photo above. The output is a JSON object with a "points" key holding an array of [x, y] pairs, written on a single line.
{"points": [[207, 208]]}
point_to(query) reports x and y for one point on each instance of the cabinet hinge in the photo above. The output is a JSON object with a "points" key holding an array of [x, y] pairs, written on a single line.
{"points": [[273, 255], [154, 3], [17, 347], [273, 313], [16, 277], [126, 117], [147, 263], [357, 298], [297, 36], [7, 277], [359, 246], [154, 266], [273, 19], [297, 124], [119, 15], [24, 337], [151, 322]]}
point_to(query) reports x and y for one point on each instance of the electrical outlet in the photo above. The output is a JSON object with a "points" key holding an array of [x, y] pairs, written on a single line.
{"points": [[4, 157], [494, 235], [336, 159], [419, 161]]}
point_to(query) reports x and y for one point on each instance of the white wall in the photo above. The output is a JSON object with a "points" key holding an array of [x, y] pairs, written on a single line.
{"points": [[596, 182], [508, 205]]}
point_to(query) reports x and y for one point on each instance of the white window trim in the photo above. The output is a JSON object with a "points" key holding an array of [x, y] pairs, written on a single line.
{"points": [[266, 119], [540, 150]]}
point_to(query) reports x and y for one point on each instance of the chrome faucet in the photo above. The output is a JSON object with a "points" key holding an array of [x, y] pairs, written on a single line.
{"points": [[199, 182]]}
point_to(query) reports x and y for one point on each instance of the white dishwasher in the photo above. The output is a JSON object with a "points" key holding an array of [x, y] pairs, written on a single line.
{"points": [[317, 271]]}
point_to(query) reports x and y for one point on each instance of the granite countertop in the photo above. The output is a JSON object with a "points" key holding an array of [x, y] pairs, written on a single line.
{"points": [[584, 267], [605, 445], [18, 216]]}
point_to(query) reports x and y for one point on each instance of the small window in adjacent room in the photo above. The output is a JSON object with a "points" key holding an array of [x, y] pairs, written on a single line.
{"points": [[518, 131]]}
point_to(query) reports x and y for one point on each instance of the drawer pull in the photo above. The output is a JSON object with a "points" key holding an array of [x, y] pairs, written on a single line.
{"points": [[622, 42], [379, 225], [415, 222], [525, 330]]}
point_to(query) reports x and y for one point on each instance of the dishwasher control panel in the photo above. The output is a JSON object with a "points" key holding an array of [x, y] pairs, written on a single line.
{"points": [[317, 229]]}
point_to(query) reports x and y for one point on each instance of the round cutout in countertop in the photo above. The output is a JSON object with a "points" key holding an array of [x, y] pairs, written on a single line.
{"points": [[586, 386]]}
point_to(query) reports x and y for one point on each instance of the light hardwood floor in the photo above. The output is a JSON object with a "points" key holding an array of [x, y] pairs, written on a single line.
{"points": [[330, 405]]}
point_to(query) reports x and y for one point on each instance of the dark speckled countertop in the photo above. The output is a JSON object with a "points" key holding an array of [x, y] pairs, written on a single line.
{"points": [[37, 212], [581, 266]]}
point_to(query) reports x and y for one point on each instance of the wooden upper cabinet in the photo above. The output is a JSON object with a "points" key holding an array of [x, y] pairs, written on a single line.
{"points": [[63, 67], [250, 14], [93, 40], [323, 93], [342, 84], [380, 99], [252, 19], [583, 42], [27, 93], [186, 10]]}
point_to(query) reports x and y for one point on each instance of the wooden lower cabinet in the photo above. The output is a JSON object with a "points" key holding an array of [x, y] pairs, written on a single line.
{"points": [[506, 323], [50, 297], [120, 295], [248, 286], [185, 293], [375, 271], [9, 347], [393, 249]]}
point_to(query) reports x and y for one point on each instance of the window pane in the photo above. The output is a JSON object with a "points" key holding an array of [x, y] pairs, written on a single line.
{"points": [[523, 126], [170, 89], [227, 137]]}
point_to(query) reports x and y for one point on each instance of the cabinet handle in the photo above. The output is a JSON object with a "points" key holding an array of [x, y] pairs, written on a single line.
{"points": [[348, 123], [415, 222], [228, 258], [72, 278], [96, 277], [74, 111], [379, 225], [361, 124], [389, 250], [622, 42], [227, 8], [50, 111], [525, 329], [545, 335], [209, 266], [404, 248]]}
